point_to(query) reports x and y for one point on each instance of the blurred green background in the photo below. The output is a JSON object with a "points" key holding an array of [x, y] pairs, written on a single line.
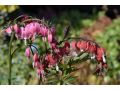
{"points": [[97, 23]]}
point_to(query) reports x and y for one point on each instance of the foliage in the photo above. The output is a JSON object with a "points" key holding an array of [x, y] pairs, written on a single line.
{"points": [[110, 40], [23, 72]]}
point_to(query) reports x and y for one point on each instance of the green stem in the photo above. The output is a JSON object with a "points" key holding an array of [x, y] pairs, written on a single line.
{"points": [[21, 16], [36, 48], [31, 50], [15, 51], [10, 58], [38, 20], [39, 81], [81, 38], [45, 47]]}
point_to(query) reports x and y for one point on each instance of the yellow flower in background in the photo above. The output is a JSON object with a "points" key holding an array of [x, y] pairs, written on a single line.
{"points": [[8, 8]]}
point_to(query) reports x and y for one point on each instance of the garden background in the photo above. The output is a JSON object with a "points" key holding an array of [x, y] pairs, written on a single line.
{"points": [[97, 23]]}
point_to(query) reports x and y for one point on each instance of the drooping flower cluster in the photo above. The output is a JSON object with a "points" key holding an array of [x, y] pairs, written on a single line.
{"points": [[30, 30], [55, 53], [96, 52]]}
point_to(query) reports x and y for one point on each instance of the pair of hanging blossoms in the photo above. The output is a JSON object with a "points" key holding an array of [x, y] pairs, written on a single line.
{"points": [[31, 29]]}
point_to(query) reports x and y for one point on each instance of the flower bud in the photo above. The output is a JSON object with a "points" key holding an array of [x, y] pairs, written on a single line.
{"points": [[27, 52], [49, 37]]}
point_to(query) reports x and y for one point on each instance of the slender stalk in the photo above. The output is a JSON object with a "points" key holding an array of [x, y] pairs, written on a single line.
{"points": [[81, 38], [21, 16], [32, 20], [15, 51], [10, 58], [31, 50], [35, 48], [39, 80], [45, 47]]}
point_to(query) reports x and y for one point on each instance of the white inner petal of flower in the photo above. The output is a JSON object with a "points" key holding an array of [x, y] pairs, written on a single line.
{"points": [[93, 57], [104, 60], [57, 68], [33, 64], [81, 50], [74, 53]]}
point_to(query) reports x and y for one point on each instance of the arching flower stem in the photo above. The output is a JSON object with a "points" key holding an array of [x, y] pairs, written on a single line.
{"points": [[10, 58]]}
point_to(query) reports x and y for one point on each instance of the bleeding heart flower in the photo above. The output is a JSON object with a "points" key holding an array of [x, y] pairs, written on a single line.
{"points": [[50, 37], [92, 48], [67, 44], [35, 57], [9, 30], [17, 31], [83, 46], [104, 65], [73, 45], [25, 34], [53, 45], [100, 54], [53, 30], [33, 27], [78, 45], [43, 30], [66, 48], [40, 71], [36, 64], [27, 52], [50, 59]]}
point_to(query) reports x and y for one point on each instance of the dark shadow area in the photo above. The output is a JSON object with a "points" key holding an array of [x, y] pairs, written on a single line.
{"points": [[49, 11]]}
